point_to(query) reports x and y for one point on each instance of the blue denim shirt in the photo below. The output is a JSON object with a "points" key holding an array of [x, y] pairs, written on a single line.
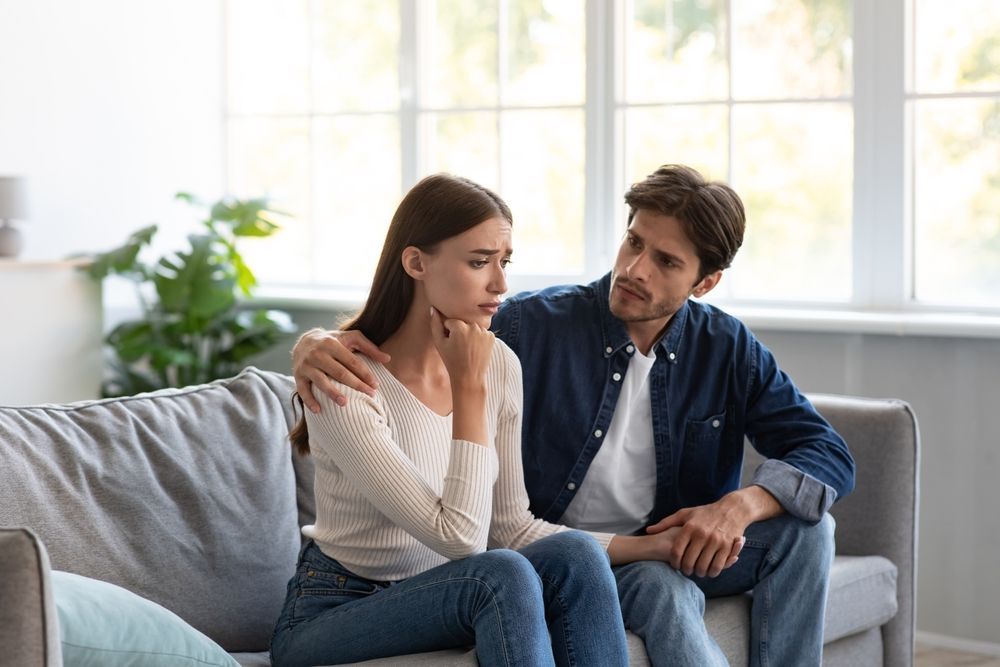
{"points": [[712, 384]]}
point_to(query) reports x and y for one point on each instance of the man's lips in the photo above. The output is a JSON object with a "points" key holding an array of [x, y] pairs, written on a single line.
{"points": [[630, 291]]}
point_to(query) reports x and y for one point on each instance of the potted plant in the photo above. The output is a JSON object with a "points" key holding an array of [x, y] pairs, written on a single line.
{"points": [[193, 327]]}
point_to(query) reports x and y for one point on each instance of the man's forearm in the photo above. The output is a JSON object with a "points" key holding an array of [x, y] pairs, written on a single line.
{"points": [[752, 504]]}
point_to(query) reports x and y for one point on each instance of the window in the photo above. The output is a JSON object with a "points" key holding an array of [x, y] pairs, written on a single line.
{"points": [[954, 106], [757, 94], [862, 136]]}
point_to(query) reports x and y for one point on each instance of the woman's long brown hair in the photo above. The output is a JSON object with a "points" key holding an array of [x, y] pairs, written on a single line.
{"points": [[434, 210]]}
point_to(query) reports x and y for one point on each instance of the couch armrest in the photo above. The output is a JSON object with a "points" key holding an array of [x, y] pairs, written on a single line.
{"points": [[29, 630], [880, 516]]}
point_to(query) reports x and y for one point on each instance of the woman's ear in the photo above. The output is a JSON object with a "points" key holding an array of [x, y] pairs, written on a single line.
{"points": [[413, 262]]}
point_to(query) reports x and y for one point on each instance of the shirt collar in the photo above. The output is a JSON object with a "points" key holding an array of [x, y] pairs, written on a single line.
{"points": [[616, 336]]}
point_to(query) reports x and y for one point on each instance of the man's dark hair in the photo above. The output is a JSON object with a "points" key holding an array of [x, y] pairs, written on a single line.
{"points": [[711, 212]]}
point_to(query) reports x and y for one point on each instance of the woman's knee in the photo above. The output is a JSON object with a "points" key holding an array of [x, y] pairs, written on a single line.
{"points": [[506, 567]]}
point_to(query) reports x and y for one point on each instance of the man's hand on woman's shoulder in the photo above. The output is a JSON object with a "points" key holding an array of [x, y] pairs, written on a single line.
{"points": [[321, 357]]}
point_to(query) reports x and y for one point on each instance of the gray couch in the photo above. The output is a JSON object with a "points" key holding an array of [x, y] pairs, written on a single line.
{"points": [[191, 498]]}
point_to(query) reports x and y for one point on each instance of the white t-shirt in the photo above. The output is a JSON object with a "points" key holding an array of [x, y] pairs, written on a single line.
{"points": [[619, 490]]}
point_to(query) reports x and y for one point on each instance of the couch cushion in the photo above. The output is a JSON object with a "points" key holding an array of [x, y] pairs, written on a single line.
{"points": [[862, 595], [103, 625], [186, 497]]}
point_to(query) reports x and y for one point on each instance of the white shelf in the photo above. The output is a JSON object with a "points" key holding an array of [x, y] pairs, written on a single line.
{"points": [[50, 340]]}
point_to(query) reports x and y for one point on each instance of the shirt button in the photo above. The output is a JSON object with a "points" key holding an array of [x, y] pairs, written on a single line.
{"points": [[616, 377], [671, 356], [598, 433], [715, 423], [630, 349], [571, 486], [609, 350]]}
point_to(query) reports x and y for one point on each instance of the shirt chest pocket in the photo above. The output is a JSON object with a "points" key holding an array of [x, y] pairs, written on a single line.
{"points": [[707, 461]]}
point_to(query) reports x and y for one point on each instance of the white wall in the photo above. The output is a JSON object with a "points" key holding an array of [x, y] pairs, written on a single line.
{"points": [[109, 107], [953, 385]]}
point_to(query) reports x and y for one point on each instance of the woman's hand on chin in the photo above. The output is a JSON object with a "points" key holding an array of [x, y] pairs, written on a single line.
{"points": [[465, 348]]}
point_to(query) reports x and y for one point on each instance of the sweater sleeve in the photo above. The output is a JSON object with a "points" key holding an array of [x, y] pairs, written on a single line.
{"points": [[514, 525], [358, 440]]}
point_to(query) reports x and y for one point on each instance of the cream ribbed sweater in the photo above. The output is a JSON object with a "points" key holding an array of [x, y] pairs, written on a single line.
{"points": [[396, 496]]}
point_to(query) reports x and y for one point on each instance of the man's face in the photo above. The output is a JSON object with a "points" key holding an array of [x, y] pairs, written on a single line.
{"points": [[655, 272]]}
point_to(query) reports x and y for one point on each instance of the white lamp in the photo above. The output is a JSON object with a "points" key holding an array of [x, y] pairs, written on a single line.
{"points": [[13, 206]]}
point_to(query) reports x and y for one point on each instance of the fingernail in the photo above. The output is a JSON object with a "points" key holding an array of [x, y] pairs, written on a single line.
{"points": [[341, 401]]}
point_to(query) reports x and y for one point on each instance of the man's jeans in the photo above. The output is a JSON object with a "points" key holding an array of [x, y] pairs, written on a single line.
{"points": [[785, 562], [507, 603]]}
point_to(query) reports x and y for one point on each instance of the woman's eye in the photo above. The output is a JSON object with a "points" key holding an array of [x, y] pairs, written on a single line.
{"points": [[632, 241], [504, 263], [478, 263]]}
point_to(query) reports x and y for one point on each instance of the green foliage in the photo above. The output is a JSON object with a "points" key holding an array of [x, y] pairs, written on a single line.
{"points": [[193, 328]]}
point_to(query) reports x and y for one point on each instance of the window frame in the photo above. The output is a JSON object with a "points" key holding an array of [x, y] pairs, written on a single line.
{"points": [[882, 250]]}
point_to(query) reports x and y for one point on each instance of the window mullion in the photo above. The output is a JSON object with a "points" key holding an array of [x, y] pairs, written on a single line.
{"points": [[881, 239], [600, 176], [410, 69]]}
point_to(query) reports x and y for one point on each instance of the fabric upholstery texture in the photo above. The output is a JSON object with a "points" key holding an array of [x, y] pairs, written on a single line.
{"points": [[103, 625], [191, 498], [29, 634], [185, 497]]}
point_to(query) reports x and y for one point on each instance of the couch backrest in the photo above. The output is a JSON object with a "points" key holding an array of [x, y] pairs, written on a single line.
{"points": [[186, 497]]}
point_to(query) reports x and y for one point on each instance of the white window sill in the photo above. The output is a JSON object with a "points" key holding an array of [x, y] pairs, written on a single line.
{"points": [[951, 325], [814, 320]]}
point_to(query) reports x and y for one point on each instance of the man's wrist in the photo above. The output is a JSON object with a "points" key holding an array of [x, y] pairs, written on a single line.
{"points": [[753, 503]]}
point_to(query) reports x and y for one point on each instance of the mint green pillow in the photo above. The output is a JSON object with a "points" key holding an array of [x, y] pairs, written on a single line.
{"points": [[103, 625]]}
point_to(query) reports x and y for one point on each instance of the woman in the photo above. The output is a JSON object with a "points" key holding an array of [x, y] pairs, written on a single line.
{"points": [[413, 485]]}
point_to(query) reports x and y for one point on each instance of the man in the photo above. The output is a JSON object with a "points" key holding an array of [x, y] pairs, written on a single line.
{"points": [[636, 404]]}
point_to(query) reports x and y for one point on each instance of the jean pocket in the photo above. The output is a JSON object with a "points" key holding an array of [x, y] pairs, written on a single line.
{"points": [[322, 584]]}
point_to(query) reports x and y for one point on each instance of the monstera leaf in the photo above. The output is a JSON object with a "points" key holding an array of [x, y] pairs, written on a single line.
{"points": [[193, 328], [199, 283], [124, 260]]}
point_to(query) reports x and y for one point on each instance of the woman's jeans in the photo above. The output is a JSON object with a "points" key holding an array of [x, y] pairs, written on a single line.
{"points": [[552, 602]]}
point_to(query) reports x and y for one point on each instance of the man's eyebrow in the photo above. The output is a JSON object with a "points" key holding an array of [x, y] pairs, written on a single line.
{"points": [[660, 254], [674, 259]]}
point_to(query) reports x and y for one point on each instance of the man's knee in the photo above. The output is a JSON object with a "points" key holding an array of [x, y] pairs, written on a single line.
{"points": [[656, 585], [813, 542], [657, 600]]}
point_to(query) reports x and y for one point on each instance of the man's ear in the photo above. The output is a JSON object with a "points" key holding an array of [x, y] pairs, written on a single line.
{"points": [[707, 284], [413, 262]]}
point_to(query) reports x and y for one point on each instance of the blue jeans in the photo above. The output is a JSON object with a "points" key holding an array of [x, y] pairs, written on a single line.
{"points": [[552, 602], [785, 562]]}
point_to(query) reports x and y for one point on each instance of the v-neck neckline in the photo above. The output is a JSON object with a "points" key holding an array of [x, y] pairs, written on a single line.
{"points": [[409, 394]]}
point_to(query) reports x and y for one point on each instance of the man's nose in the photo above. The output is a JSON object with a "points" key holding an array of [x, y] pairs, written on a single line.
{"points": [[638, 268]]}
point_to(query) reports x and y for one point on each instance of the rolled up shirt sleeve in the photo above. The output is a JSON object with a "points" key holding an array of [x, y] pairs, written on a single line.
{"points": [[799, 493]]}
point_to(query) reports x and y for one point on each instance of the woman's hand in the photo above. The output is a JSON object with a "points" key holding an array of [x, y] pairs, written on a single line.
{"points": [[465, 350], [320, 357]]}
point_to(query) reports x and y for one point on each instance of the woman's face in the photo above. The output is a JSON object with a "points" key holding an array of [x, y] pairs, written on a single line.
{"points": [[466, 276]]}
